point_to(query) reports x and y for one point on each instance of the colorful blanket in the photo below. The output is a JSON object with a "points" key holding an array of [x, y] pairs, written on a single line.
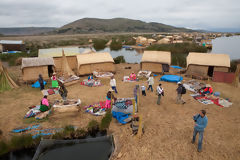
{"points": [[211, 100], [97, 109], [127, 79], [91, 83], [124, 105], [50, 91]]}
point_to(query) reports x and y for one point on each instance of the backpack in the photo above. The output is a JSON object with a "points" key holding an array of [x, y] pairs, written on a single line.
{"points": [[183, 90]]}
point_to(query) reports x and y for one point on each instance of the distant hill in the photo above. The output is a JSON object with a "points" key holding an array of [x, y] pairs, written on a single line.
{"points": [[25, 30], [94, 25]]}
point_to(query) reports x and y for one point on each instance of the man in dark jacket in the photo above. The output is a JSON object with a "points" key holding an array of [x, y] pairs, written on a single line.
{"points": [[179, 93], [63, 91], [41, 82], [201, 122]]}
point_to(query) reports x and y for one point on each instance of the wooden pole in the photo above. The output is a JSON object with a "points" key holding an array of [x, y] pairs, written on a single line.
{"points": [[236, 77], [139, 134]]}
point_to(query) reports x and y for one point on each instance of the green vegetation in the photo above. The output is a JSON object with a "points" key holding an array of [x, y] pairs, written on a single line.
{"points": [[23, 141], [99, 44], [180, 48], [116, 45], [95, 25], [233, 65], [106, 120], [3, 148], [119, 59], [179, 51]]}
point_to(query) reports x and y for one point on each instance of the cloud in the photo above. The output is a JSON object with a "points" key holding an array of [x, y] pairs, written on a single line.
{"points": [[202, 14]]}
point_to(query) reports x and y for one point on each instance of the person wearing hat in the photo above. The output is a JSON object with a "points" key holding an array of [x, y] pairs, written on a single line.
{"points": [[54, 81], [201, 122], [179, 93], [109, 97]]}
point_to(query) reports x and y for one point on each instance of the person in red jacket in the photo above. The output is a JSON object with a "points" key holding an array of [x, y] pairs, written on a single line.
{"points": [[208, 89]]}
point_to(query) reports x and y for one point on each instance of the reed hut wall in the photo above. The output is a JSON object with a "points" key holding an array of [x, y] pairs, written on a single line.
{"points": [[32, 73], [152, 66], [86, 69], [72, 62]]}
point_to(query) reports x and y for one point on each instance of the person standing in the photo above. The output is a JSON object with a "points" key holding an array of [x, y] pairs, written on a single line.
{"points": [[201, 122], [143, 90], [113, 84], [63, 91], [41, 82], [160, 93], [180, 90], [150, 82], [54, 81]]}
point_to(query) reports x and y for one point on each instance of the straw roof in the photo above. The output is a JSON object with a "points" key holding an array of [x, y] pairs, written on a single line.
{"points": [[94, 58], [36, 61], [57, 52], [157, 56], [208, 59]]}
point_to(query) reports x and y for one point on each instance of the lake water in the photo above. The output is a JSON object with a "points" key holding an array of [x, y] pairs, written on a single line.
{"points": [[90, 150], [131, 56], [227, 45]]}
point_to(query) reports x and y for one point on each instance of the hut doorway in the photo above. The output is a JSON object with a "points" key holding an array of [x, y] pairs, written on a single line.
{"points": [[50, 70], [210, 71]]}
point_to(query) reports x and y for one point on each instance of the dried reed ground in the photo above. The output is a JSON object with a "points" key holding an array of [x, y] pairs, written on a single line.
{"points": [[168, 127]]}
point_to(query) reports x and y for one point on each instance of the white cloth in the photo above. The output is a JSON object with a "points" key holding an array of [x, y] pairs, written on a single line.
{"points": [[150, 81], [143, 88], [159, 90], [113, 83]]}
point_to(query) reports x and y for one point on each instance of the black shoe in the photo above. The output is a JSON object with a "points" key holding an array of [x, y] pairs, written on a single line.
{"points": [[199, 150], [192, 142], [184, 102]]}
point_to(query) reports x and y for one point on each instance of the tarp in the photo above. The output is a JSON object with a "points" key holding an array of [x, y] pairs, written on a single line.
{"points": [[120, 116], [177, 67], [171, 78], [37, 84]]}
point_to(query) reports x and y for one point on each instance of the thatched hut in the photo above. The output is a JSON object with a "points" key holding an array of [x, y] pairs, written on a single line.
{"points": [[100, 62], [156, 61], [32, 67], [56, 54], [204, 64]]}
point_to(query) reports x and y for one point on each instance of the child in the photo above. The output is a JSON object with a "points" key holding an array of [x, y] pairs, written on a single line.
{"points": [[143, 90]]}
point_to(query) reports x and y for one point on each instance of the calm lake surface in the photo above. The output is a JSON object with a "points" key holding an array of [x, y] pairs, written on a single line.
{"points": [[227, 45], [131, 56]]}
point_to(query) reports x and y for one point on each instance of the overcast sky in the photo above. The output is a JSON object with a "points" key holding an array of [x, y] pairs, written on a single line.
{"points": [[195, 14]]}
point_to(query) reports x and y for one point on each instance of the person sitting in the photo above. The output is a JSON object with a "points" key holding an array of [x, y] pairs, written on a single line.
{"points": [[207, 90], [133, 76], [90, 77], [44, 106]]}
